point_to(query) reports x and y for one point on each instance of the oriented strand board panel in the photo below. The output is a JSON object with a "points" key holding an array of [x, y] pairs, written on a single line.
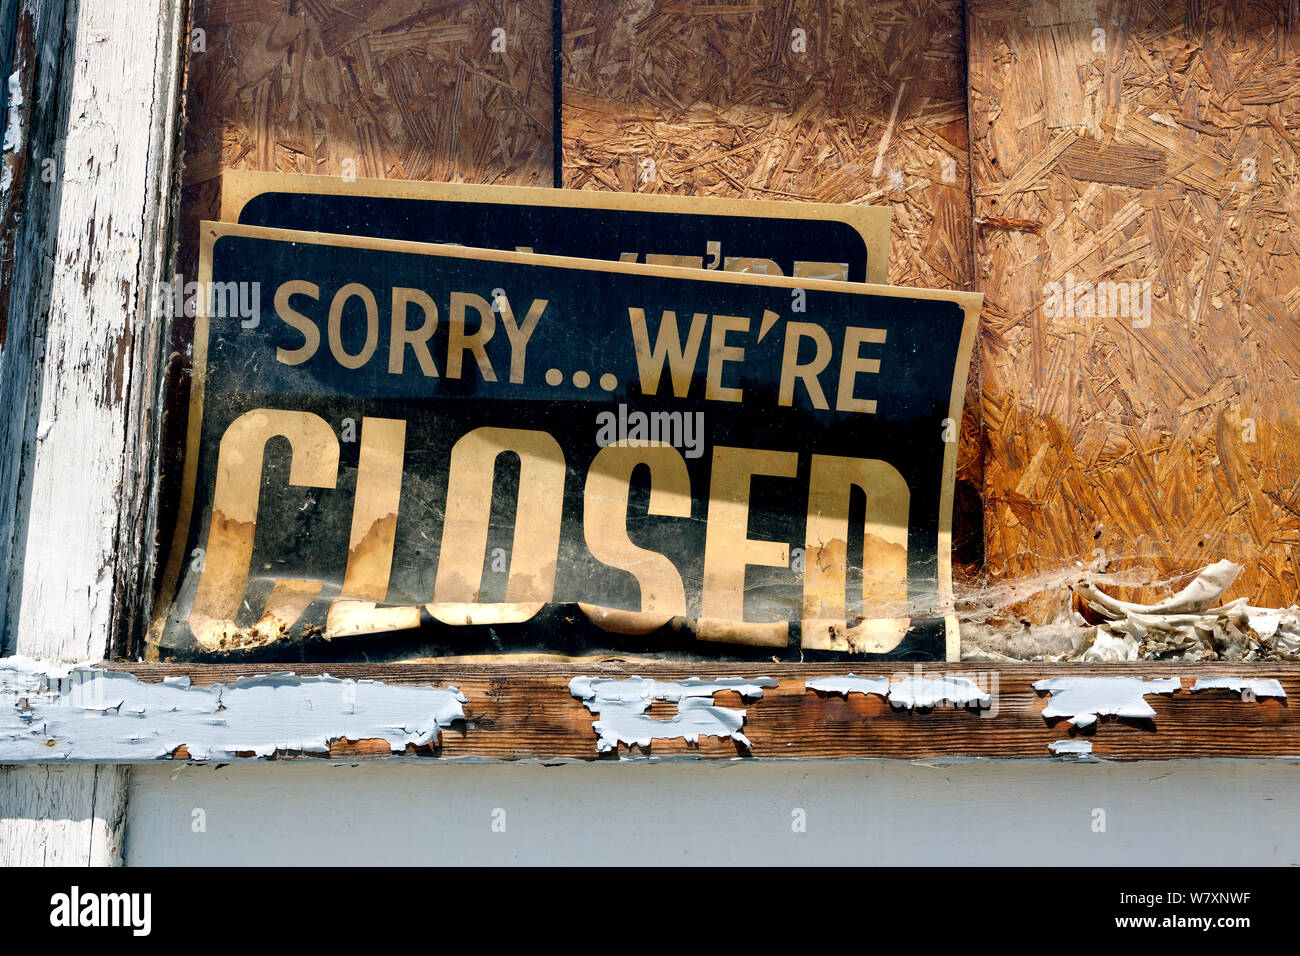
{"points": [[396, 90], [1152, 143], [830, 101], [452, 91]]}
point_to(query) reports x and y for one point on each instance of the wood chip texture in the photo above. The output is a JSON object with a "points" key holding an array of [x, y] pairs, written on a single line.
{"points": [[1157, 145]]}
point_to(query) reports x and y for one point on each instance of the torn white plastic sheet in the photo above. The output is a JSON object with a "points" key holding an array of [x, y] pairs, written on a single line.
{"points": [[1197, 597], [1084, 699], [77, 712], [1189, 626], [1110, 647], [1245, 686], [620, 706]]}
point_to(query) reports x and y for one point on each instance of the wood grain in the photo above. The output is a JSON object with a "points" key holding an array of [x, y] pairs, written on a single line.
{"points": [[84, 522], [525, 711], [396, 90]]}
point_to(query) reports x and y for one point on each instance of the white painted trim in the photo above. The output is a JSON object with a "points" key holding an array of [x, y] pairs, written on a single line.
{"points": [[82, 476], [82, 526], [736, 814], [62, 815]]}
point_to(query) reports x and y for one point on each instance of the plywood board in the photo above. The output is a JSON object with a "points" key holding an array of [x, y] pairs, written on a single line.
{"points": [[833, 101], [1153, 146], [396, 90], [456, 92]]}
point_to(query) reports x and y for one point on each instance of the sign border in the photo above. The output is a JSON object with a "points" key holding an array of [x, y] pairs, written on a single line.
{"points": [[872, 223]]}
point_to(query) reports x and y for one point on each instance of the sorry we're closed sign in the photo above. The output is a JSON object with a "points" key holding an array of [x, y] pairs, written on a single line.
{"points": [[400, 447]]}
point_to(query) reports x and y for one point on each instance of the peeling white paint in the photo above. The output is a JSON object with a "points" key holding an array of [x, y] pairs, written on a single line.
{"points": [[1258, 686], [79, 505], [910, 692], [1078, 748], [1084, 699], [620, 706], [77, 712], [13, 135], [849, 684], [14, 127], [937, 692]]}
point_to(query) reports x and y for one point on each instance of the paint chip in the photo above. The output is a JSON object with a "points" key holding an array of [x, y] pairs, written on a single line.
{"points": [[1077, 748], [937, 692], [13, 135], [1245, 686], [1084, 699], [910, 692], [849, 684], [620, 706]]}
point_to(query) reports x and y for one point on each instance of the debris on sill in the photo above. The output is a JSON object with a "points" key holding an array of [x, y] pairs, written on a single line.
{"points": [[620, 706], [1099, 628]]}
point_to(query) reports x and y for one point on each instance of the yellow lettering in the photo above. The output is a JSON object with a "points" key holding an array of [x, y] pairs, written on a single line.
{"points": [[374, 531], [721, 353], [315, 464], [519, 336], [758, 267], [884, 556], [853, 364], [353, 289], [807, 373], [680, 262], [728, 549], [460, 342], [417, 339], [604, 522], [310, 333], [822, 270], [538, 513], [650, 364]]}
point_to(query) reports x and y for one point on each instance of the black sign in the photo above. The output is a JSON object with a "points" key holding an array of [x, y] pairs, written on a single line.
{"points": [[399, 448], [806, 240]]}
